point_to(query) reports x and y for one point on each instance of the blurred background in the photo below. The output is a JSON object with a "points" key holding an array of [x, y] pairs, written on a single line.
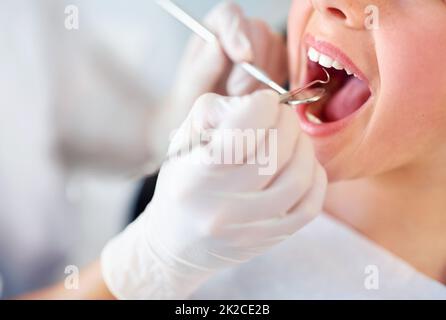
{"points": [[74, 111]]}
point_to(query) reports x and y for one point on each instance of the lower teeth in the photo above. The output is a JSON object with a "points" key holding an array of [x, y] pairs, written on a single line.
{"points": [[312, 118]]}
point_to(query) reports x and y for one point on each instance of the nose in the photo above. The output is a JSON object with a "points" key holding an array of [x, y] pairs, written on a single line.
{"points": [[347, 12]]}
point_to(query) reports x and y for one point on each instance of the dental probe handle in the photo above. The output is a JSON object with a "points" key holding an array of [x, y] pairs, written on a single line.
{"points": [[262, 77]]}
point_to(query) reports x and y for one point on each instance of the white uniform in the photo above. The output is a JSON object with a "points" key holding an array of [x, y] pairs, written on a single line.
{"points": [[325, 260], [86, 90]]}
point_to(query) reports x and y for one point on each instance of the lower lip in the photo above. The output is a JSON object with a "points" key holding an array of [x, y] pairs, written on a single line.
{"points": [[325, 129]]}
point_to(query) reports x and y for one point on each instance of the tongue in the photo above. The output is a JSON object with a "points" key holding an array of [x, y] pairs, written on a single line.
{"points": [[347, 100]]}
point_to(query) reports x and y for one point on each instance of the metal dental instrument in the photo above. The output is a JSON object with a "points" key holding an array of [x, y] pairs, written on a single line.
{"points": [[300, 96]]}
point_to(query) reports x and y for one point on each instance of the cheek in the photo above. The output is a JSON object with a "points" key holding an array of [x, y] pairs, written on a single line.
{"points": [[409, 119], [413, 78]]}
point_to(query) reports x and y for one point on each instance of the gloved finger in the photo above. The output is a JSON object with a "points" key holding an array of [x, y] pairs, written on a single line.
{"points": [[209, 64], [181, 139], [274, 148], [195, 77], [273, 204], [276, 230], [206, 114], [257, 111], [230, 26], [241, 83], [260, 36], [250, 116], [308, 208], [270, 55]]}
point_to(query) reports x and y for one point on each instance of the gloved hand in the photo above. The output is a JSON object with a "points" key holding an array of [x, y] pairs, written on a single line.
{"points": [[206, 216], [209, 67]]}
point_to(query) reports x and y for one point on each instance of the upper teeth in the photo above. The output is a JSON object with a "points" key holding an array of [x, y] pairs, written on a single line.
{"points": [[326, 61]]}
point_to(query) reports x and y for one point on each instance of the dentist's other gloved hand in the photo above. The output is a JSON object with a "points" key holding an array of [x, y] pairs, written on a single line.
{"points": [[207, 215], [209, 67]]}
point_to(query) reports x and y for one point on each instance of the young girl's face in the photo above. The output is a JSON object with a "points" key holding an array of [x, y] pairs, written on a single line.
{"points": [[392, 114]]}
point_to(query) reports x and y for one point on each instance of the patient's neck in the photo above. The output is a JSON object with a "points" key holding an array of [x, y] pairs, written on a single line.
{"points": [[403, 211]]}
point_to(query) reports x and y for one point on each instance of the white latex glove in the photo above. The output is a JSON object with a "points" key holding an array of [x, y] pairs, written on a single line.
{"points": [[209, 68], [204, 216]]}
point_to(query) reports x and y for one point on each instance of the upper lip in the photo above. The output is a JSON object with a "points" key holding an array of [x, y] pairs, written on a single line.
{"points": [[335, 53]]}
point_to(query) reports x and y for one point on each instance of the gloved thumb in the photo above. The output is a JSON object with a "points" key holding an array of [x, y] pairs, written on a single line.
{"points": [[207, 113], [213, 112]]}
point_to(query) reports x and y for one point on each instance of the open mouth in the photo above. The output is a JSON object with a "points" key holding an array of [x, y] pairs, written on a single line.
{"points": [[347, 91]]}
